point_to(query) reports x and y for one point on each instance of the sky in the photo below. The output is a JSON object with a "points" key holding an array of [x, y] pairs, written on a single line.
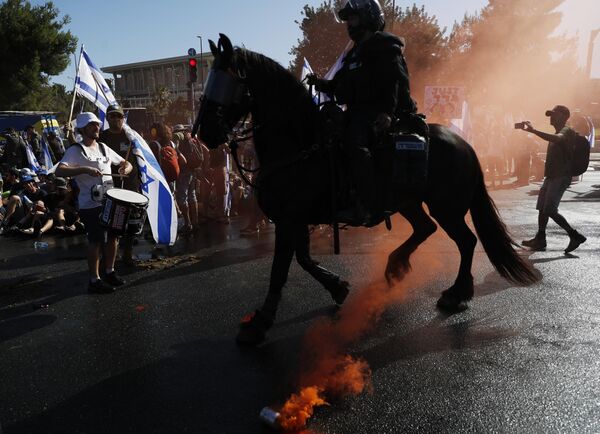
{"points": [[128, 31]]}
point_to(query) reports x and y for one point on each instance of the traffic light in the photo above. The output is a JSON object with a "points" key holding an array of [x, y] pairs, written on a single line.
{"points": [[193, 67]]}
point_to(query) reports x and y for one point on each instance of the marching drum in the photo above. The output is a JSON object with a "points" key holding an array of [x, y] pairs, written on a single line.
{"points": [[123, 211]]}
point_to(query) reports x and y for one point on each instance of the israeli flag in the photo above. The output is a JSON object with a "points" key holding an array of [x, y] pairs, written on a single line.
{"points": [[47, 163], [33, 162], [307, 70], [338, 63], [162, 213], [91, 85], [463, 126]]}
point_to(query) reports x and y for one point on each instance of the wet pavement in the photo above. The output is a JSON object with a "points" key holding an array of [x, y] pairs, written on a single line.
{"points": [[158, 356]]}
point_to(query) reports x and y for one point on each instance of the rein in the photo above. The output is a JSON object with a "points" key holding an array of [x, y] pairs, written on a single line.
{"points": [[300, 156]]}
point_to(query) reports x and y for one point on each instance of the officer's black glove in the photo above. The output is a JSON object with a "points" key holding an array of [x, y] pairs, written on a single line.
{"points": [[382, 123], [312, 79]]}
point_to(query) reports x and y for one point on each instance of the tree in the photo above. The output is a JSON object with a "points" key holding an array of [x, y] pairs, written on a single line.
{"points": [[509, 56], [426, 47], [323, 39], [34, 47], [178, 112], [161, 101]]}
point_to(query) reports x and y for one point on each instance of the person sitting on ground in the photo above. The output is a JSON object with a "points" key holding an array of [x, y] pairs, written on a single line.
{"points": [[38, 220], [59, 202], [19, 202]]}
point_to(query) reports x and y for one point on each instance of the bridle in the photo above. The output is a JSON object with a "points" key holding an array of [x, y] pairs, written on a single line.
{"points": [[225, 89]]}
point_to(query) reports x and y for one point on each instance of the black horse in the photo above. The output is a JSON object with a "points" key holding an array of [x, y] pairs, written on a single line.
{"points": [[294, 182]]}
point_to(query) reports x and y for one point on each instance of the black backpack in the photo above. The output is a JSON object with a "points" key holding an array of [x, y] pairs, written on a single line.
{"points": [[580, 154]]}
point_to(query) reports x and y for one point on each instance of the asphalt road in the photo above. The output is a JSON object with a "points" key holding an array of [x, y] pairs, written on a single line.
{"points": [[158, 356]]}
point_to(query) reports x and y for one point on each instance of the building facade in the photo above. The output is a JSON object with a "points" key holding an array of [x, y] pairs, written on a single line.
{"points": [[137, 84]]}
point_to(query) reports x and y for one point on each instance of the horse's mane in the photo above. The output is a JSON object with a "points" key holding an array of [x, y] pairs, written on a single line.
{"points": [[288, 97]]}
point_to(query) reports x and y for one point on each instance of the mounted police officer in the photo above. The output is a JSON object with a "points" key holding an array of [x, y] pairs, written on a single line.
{"points": [[373, 83]]}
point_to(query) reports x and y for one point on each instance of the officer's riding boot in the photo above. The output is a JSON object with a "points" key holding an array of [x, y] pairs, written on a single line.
{"points": [[363, 177]]}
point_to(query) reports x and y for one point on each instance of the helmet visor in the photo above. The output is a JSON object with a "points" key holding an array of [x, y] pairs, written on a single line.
{"points": [[350, 6]]}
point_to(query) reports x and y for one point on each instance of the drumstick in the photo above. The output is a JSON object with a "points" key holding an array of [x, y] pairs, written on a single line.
{"points": [[115, 175]]}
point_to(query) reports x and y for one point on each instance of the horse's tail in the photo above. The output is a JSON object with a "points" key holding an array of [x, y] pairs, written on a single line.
{"points": [[496, 241]]}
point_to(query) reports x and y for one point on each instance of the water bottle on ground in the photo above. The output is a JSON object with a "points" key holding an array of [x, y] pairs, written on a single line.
{"points": [[40, 246]]}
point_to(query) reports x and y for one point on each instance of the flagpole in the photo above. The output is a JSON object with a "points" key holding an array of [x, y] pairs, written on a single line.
{"points": [[75, 84]]}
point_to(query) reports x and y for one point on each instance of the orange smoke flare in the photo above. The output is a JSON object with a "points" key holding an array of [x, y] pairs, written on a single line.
{"points": [[299, 408]]}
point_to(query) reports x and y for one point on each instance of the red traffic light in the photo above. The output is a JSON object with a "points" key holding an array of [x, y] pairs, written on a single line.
{"points": [[192, 62]]}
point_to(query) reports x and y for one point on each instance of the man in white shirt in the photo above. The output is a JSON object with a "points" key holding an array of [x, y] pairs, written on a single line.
{"points": [[89, 163]]}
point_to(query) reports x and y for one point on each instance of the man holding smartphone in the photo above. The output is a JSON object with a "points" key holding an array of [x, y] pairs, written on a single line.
{"points": [[557, 177]]}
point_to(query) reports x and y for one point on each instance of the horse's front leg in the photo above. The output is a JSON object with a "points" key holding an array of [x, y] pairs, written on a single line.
{"points": [[255, 325], [332, 282]]}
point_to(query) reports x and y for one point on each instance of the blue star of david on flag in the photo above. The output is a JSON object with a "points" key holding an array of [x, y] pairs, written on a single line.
{"points": [[146, 179]]}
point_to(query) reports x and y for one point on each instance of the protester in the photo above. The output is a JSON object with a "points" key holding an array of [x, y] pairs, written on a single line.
{"points": [[219, 177], [57, 147], [186, 181], [116, 139], [558, 177], [15, 154], [166, 153], [33, 138], [89, 162]]}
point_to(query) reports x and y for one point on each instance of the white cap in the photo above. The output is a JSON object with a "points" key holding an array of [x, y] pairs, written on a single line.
{"points": [[85, 118]]}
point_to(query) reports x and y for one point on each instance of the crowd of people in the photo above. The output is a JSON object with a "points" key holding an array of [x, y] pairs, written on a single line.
{"points": [[38, 202]]}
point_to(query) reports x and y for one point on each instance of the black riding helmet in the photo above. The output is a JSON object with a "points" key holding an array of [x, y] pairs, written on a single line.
{"points": [[369, 11]]}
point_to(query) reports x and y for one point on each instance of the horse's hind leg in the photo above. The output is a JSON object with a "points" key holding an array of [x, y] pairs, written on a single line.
{"points": [[461, 291], [254, 326], [399, 260], [332, 282]]}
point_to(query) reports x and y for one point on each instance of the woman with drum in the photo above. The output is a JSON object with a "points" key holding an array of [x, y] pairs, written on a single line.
{"points": [[89, 163]]}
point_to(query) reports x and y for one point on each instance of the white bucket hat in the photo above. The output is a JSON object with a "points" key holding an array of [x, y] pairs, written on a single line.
{"points": [[86, 118]]}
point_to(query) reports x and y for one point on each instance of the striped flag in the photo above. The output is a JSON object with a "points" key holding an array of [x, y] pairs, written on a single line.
{"points": [[33, 162], [162, 213], [47, 162], [306, 69], [91, 85]]}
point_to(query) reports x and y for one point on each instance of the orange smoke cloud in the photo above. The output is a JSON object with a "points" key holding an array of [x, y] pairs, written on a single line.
{"points": [[299, 408], [326, 369]]}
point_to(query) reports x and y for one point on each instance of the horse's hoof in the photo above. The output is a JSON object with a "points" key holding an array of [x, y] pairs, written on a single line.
{"points": [[340, 292], [449, 304], [253, 328], [394, 276], [454, 300]]}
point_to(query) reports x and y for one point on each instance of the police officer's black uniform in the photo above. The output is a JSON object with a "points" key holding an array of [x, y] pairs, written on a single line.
{"points": [[373, 81]]}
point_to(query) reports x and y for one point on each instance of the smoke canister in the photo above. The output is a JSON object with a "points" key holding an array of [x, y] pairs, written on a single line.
{"points": [[270, 417]]}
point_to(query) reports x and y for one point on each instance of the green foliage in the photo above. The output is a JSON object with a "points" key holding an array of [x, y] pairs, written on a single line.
{"points": [[34, 47]]}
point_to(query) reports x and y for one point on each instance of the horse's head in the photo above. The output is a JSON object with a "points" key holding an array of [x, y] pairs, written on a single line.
{"points": [[225, 99]]}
